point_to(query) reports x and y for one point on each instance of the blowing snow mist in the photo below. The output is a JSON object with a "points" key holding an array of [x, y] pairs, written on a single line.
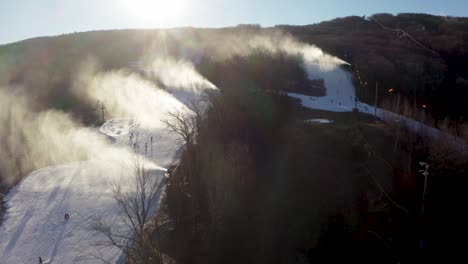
{"points": [[35, 139]]}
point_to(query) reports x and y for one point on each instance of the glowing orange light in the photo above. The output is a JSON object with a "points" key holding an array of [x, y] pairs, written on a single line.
{"points": [[424, 106], [391, 90]]}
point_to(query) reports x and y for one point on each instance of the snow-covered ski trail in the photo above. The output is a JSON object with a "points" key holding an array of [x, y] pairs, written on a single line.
{"points": [[341, 97], [34, 223]]}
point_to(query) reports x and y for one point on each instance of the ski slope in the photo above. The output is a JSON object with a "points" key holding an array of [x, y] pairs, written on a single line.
{"points": [[340, 93], [341, 97], [34, 222]]}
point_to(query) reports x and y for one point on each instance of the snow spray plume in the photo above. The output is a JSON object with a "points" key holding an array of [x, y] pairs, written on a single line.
{"points": [[244, 42], [178, 75], [180, 78], [223, 44], [126, 94], [32, 140]]}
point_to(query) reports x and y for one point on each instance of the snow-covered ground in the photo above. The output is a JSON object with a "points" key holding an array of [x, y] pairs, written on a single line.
{"points": [[35, 225], [118, 127], [329, 103], [341, 97], [320, 121], [340, 93]]}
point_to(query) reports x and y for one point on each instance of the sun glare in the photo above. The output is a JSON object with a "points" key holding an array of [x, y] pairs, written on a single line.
{"points": [[155, 11]]}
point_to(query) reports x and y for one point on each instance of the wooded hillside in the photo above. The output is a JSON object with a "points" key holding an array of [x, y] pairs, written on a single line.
{"points": [[429, 64]]}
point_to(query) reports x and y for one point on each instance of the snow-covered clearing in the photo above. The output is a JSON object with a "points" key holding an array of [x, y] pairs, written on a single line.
{"points": [[35, 225], [340, 93], [34, 222], [341, 97], [329, 103], [320, 121]]}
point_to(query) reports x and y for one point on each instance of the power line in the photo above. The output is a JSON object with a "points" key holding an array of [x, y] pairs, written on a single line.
{"points": [[404, 33]]}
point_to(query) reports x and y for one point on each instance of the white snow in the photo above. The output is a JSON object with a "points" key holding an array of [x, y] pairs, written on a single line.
{"points": [[340, 93], [341, 97], [34, 222], [117, 127], [320, 121]]}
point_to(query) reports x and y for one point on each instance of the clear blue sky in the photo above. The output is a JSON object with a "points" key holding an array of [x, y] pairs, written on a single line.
{"points": [[21, 19]]}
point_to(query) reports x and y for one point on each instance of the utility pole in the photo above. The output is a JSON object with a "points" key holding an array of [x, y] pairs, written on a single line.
{"points": [[376, 100], [425, 173], [97, 107], [102, 111]]}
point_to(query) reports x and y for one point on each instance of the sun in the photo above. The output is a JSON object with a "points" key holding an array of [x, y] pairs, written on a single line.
{"points": [[155, 11]]}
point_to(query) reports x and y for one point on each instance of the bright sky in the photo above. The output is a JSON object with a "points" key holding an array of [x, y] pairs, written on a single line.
{"points": [[21, 19]]}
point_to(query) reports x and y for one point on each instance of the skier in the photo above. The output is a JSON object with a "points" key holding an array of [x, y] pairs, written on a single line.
{"points": [[67, 216], [40, 260]]}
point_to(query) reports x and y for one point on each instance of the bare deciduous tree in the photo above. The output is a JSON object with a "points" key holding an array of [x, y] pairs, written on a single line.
{"points": [[184, 124], [137, 201]]}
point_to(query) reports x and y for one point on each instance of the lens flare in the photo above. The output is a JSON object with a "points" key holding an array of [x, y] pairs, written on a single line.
{"points": [[155, 11]]}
